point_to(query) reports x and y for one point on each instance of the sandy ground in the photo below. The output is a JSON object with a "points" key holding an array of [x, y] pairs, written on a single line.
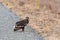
{"points": [[45, 20], [7, 21]]}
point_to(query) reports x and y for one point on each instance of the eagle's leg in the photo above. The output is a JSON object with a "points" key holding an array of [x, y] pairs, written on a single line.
{"points": [[23, 28]]}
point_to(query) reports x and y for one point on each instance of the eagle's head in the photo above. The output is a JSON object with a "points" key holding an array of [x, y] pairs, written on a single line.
{"points": [[27, 17]]}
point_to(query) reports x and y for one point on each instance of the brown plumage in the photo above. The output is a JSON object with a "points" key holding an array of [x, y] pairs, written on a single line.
{"points": [[21, 24]]}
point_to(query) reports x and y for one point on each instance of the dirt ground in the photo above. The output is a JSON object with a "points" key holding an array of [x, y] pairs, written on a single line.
{"points": [[45, 18]]}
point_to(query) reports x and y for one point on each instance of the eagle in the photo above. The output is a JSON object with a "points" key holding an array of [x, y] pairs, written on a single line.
{"points": [[21, 24]]}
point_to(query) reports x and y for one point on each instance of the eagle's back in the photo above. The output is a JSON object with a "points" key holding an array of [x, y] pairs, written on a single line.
{"points": [[22, 22]]}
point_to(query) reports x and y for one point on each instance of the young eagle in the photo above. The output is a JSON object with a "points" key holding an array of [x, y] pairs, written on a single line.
{"points": [[21, 24]]}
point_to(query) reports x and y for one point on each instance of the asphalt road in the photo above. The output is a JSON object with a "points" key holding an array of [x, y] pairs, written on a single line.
{"points": [[7, 21]]}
